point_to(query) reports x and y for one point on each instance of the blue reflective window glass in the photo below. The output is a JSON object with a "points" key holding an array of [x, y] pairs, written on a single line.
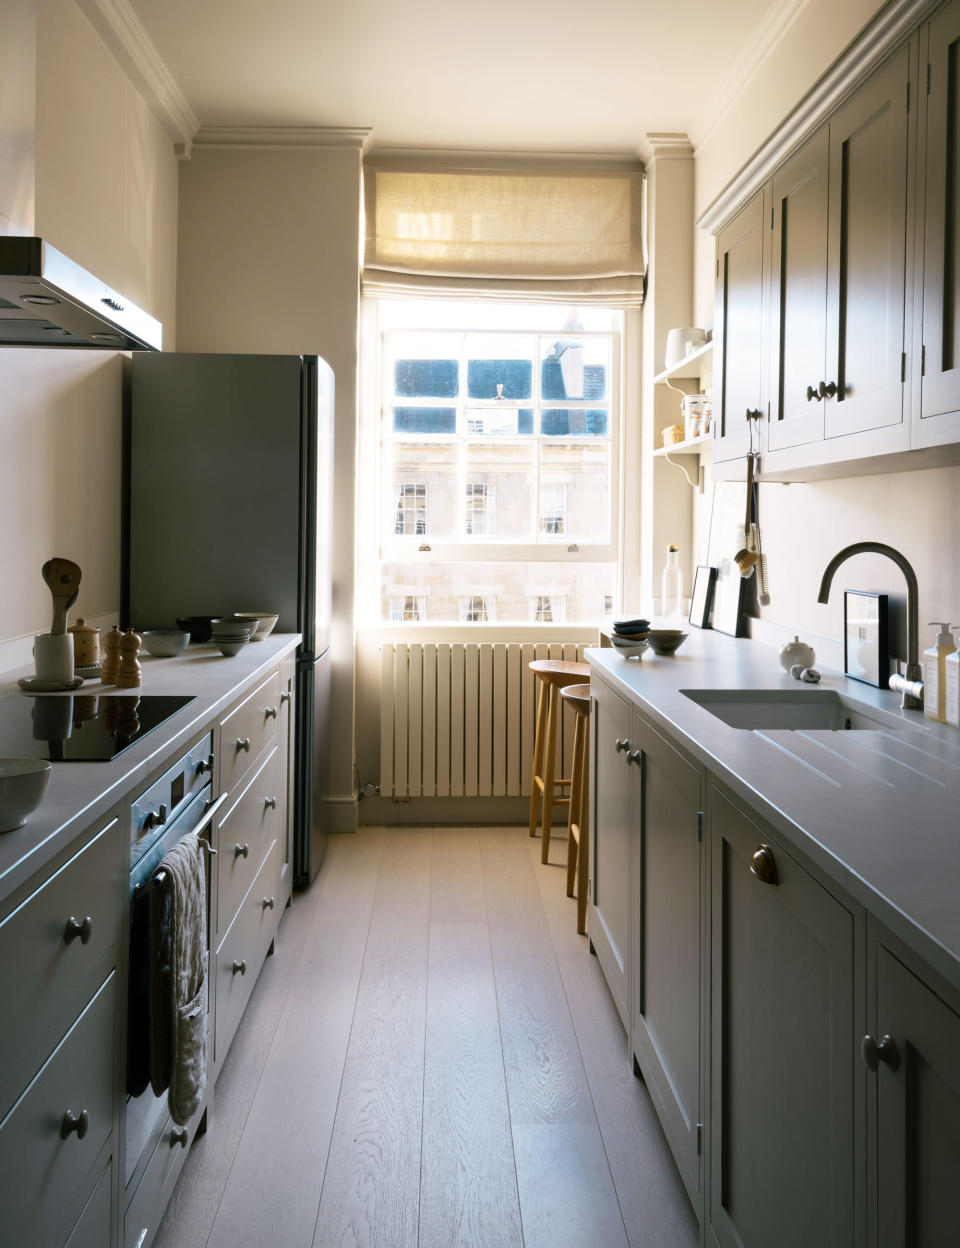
{"points": [[525, 420], [573, 422], [483, 377], [425, 420], [427, 379], [552, 384]]}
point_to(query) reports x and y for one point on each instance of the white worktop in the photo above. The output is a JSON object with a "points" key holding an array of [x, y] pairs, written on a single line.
{"points": [[80, 793], [878, 812]]}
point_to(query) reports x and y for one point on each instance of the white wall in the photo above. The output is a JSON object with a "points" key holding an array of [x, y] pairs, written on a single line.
{"points": [[270, 262], [805, 525], [106, 195]]}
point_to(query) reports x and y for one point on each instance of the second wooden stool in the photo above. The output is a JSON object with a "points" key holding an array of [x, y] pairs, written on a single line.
{"points": [[578, 838], [552, 674]]}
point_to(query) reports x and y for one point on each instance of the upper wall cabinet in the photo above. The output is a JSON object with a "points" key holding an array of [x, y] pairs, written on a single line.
{"points": [[738, 369], [937, 413]]}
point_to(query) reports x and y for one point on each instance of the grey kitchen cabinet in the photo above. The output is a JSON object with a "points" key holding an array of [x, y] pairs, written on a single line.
{"points": [[936, 416], [668, 947], [913, 1054], [787, 1147], [739, 372], [867, 256], [798, 296], [614, 821]]}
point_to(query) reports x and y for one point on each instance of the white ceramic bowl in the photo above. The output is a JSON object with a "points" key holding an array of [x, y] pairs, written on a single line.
{"points": [[629, 649], [164, 643], [266, 622], [22, 781]]}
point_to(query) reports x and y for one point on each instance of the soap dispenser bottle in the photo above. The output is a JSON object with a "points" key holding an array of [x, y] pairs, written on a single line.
{"points": [[935, 673], [952, 682]]}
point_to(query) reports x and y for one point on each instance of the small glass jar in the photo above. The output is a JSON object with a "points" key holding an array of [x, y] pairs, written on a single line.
{"points": [[693, 415]]}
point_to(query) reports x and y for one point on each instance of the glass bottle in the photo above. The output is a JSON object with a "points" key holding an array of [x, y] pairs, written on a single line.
{"points": [[671, 595]]}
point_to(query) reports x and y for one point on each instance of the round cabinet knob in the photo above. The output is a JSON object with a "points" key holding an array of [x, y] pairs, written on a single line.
{"points": [[243, 743], [285, 697], [826, 389], [813, 392], [77, 928], [240, 968], [622, 744], [205, 765], [270, 713], [873, 1053], [634, 757], [269, 803], [74, 1122], [269, 903], [763, 865], [241, 851], [178, 1137]]}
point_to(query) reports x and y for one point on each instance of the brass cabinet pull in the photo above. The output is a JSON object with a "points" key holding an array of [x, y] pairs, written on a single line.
{"points": [[873, 1053], [269, 803], [269, 903], [623, 743], [75, 928], [178, 1137], [205, 765], [74, 1122], [243, 743], [241, 851], [240, 968], [270, 713], [763, 866], [285, 697], [634, 757]]}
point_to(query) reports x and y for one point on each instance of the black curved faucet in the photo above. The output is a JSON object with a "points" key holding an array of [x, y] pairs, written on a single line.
{"points": [[910, 686]]}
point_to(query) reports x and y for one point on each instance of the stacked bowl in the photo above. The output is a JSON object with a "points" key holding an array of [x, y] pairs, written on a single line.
{"points": [[629, 636], [231, 635]]}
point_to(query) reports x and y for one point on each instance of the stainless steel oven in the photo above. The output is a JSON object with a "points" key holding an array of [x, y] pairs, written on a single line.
{"points": [[177, 803]]}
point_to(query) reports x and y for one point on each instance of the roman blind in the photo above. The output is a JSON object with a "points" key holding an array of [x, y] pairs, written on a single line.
{"points": [[573, 234]]}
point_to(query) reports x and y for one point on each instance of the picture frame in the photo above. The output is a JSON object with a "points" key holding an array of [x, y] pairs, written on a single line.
{"points": [[726, 537], [701, 599], [866, 650]]}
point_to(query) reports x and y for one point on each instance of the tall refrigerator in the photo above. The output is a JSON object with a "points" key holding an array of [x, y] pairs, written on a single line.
{"points": [[228, 500]]}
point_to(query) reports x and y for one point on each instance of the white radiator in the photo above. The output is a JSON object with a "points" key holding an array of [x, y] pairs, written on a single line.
{"points": [[459, 719]]}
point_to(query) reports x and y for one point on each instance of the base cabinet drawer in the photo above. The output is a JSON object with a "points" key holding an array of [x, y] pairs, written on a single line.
{"points": [[244, 836], [243, 950], [92, 1228], [54, 1133], [54, 939], [247, 730], [146, 1208]]}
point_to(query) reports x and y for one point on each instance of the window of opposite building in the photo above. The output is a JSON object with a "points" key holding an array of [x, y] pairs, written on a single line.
{"points": [[499, 458]]}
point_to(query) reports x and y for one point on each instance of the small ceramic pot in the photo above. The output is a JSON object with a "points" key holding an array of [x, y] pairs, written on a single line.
{"points": [[54, 657], [794, 652], [86, 644]]}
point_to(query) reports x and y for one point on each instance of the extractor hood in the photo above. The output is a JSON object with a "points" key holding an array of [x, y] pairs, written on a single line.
{"points": [[48, 301]]}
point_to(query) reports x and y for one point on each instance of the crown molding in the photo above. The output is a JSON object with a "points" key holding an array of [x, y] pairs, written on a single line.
{"points": [[122, 31], [766, 36], [238, 137], [889, 27], [668, 145]]}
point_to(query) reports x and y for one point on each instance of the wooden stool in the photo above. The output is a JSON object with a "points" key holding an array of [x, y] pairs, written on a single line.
{"points": [[578, 840], [552, 674]]}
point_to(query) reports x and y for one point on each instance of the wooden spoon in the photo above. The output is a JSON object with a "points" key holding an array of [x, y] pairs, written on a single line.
{"points": [[746, 558], [63, 578]]}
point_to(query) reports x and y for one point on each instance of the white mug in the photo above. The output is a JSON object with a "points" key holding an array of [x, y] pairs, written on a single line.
{"points": [[54, 657]]}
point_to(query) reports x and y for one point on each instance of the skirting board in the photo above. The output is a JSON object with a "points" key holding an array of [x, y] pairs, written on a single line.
{"points": [[437, 810]]}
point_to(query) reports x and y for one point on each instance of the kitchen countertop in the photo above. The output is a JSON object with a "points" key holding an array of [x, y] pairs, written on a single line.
{"points": [[877, 812], [80, 793]]}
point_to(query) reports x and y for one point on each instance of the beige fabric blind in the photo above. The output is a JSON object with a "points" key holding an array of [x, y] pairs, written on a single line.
{"points": [[506, 234]]}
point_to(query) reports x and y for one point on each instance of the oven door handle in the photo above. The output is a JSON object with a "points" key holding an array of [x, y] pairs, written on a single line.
{"points": [[208, 819]]}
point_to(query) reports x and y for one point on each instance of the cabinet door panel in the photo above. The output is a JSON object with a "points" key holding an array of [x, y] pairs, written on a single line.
{"points": [[940, 396], [782, 1050], [867, 253], [739, 317], [918, 1113], [666, 1032], [614, 813], [799, 295]]}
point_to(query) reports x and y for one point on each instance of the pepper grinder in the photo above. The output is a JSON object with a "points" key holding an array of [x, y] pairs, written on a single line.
{"points": [[111, 658], [128, 673]]}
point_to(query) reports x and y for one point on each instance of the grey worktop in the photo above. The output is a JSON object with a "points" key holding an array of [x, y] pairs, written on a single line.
{"points": [[878, 813], [81, 793]]}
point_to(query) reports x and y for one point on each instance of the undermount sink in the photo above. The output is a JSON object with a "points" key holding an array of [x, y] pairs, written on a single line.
{"points": [[793, 709]]}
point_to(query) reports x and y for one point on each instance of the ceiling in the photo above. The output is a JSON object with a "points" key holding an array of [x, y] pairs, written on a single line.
{"points": [[507, 74]]}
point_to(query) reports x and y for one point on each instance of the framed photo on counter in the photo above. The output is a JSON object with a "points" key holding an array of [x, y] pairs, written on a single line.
{"points": [[701, 600], [865, 637]]}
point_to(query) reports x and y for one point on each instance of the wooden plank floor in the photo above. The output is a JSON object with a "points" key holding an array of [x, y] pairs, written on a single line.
{"points": [[431, 1058]]}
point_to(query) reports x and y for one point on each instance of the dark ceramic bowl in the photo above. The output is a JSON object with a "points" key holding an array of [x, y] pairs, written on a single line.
{"points": [[198, 626]]}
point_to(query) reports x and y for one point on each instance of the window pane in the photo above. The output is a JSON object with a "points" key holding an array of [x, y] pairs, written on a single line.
{"points": [[574, 422], [500, 366], [574, 368], [499, 422], [422, 491], [575, 491], [572, 593], [509, 472], [425, 420], [422, 379]]}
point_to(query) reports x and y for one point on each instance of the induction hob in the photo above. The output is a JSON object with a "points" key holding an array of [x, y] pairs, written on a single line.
{"points": [[80, 727]]}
